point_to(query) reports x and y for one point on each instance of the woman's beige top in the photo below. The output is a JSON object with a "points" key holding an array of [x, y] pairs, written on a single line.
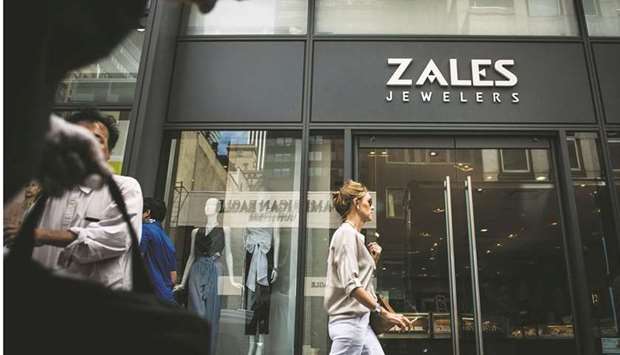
{"points": [[349, 266]]}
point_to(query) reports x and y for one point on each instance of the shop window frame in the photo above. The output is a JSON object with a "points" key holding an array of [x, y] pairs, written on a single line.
{"points": [[516, 171], [561, 11]]}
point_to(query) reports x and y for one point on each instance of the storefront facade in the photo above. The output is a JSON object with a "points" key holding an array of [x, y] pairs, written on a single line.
{"points": [[487, 131]]}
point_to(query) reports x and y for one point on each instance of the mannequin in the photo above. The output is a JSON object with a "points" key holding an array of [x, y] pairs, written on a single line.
{"points": [[262, 247], [203, 269]]}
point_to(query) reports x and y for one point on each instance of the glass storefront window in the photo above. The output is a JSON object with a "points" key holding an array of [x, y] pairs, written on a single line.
{"points": [[603, 17], [525, 305], [458, 17], [256, 17], [111, 80], [233, 198], [326, 155], [118, 153], [600, 247]]}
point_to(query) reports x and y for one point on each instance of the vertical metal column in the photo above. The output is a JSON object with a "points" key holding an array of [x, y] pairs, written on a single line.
{"points": [[471, 231], [451, 268], [584, 334]]}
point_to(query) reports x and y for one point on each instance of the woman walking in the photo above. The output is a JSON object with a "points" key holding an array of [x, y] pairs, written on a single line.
{"points": [[349, 293]]}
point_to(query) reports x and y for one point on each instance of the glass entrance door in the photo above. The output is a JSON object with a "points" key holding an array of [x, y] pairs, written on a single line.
{"points": [[473, 249]]}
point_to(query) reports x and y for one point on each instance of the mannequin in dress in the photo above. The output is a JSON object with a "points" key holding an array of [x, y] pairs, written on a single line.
{"points": [[262, 248], [204, 267]]}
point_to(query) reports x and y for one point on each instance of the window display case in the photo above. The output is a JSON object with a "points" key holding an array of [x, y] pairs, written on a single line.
{"points": [[420, 328], [467, 324], [554, 331], [543, 331], [441, 325]]}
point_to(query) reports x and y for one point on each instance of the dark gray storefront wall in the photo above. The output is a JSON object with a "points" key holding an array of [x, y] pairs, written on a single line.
{"points": [[237, 82], [607, 57], [349, 83]]}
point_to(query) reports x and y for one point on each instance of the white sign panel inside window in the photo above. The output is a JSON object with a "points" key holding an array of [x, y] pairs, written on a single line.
{"points": [[419, 88], [243, 209]]}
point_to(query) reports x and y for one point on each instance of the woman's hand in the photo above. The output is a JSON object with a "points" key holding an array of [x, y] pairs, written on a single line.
{"points": [[375, 250], [396, 319]]}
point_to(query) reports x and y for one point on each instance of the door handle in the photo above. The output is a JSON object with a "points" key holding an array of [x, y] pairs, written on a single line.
{"points": [[451, 267], [471, 231]]}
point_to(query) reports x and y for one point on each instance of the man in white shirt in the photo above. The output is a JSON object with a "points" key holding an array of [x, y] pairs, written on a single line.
{"points": [[82, 232]]}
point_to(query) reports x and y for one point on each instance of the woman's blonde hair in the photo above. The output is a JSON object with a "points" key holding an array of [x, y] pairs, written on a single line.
{"points": [[343, 198]]}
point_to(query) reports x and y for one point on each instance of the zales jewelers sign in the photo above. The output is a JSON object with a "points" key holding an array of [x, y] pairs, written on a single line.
{"points": [[422, 87]]}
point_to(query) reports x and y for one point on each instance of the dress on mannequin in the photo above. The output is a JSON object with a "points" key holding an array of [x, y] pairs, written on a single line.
{"points": [[258, 267], [262, 246], [203, 297], [204, 267]]}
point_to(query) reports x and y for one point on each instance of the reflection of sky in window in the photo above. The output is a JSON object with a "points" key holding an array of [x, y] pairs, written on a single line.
{"points": [[228, 137]]}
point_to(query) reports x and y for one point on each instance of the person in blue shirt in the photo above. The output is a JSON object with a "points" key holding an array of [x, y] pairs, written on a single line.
{"points": [[157, 249]]}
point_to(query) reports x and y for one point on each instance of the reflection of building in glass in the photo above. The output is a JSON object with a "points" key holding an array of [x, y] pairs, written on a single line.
{"points": [[199, 169], [323, 160], [242, 157], [247, 161], [281, 153], [243, 160], [258, 139], [256, 17], [111, 80], [474, 17]]}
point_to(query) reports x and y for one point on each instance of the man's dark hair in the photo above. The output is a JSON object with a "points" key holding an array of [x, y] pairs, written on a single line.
{"points": [[157, 208], [93, 115]]}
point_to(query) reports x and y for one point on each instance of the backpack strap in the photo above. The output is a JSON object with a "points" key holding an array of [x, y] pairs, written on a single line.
{"points": [[141, 279]]}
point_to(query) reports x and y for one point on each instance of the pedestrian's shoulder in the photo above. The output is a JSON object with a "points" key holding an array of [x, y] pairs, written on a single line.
{"points": [[342, 234], [122, 180], [339, 233], [126, 182], [149, 227]]}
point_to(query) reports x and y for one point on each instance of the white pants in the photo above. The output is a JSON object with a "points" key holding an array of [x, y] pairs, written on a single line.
{"points": [[353, 336]]}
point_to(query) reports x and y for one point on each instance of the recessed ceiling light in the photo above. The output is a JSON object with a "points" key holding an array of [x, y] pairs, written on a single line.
{"points": [[438, 210], [499, 244], [511, 235], [489, 177], [488, 251], [541, 178], [582, 185], [480, 189], [435, 244], [484, 230], [554, 223], [141, 29], [433, 154]]}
